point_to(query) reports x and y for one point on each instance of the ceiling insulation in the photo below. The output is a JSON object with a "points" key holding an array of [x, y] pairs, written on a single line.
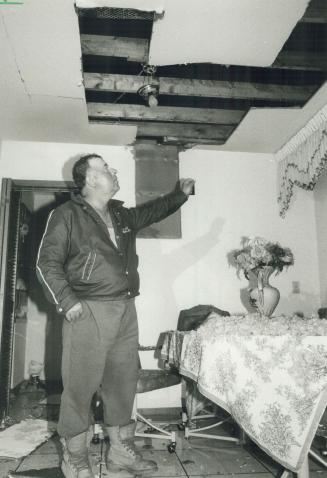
{"points": [[144, 5]]}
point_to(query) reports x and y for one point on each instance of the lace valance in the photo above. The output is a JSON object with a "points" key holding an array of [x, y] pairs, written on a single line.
{"points": [[302, 159]]}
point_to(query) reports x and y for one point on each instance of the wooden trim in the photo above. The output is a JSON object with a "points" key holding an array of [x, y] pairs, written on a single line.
{"points": [[201, 88], [163, 113], [6, 188], [5, 205], [39, 185], [134, 49]]}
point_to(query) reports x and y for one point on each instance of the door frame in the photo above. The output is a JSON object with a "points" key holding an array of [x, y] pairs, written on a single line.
{"points": [[40, 185], [8, 187]]}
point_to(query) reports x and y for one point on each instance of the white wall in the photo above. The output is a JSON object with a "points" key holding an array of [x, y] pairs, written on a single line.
{"points": [[240, 189], [235, 197]]}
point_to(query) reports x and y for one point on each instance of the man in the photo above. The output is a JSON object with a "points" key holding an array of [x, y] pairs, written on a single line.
{"points": [[87, 264]]}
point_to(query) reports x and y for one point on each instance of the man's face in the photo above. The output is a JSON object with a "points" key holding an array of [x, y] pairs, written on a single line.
{"points": [[105, 178]]}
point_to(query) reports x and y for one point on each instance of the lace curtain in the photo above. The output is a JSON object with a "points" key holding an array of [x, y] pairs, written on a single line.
{"points": [[302, 159]]}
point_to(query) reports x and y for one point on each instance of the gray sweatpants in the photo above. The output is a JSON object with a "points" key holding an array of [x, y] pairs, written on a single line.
{"points": [[100, 348]]}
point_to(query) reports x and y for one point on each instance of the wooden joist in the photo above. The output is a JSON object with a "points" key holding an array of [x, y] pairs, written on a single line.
{"points": [[194, 125], [134, 49], [200, 88], [164, 113], [190, 142], [189, 131], [301, 60], [316, 12]]}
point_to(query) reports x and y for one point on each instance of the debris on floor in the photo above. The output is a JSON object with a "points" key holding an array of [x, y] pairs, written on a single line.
{"points": [[21, 439]]}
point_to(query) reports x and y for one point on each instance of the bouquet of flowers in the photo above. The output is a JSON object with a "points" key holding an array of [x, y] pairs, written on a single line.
{"points": [[258, 252]]}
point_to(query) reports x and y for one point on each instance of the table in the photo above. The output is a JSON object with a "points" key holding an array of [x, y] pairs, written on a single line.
{"points": [[270, 374]]}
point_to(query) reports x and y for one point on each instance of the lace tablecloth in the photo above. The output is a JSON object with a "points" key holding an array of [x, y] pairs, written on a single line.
{"points": [[269, 374]]}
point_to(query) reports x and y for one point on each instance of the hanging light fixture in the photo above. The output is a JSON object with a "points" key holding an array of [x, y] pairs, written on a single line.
{"points": [[150, 90]]}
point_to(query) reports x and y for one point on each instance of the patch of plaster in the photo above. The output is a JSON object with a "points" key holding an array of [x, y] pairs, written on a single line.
{"points": [[237, 32]]}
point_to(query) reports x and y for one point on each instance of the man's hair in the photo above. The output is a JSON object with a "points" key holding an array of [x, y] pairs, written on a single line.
{"points": [[80, 168]]}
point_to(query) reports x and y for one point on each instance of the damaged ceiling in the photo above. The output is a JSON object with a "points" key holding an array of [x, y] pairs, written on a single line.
{"points": [[214, 31], [199, 102], [48, 94]]}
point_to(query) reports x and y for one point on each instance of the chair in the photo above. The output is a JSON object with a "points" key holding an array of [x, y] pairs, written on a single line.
{"points": [[149, 379], [155, 379]]}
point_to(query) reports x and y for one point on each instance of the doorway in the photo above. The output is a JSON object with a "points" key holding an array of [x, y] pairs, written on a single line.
{"points": [[30, 328]]}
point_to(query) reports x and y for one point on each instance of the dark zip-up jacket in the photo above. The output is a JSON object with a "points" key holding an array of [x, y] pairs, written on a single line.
{"points": [[78, 260]]}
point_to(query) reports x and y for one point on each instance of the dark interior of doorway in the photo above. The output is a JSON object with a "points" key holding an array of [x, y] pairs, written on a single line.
{"points": [[25, 307]]}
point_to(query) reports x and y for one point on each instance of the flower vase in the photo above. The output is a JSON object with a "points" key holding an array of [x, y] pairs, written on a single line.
{"points": [[264, 296]]}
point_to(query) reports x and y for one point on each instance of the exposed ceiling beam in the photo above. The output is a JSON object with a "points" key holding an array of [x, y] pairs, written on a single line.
{"points": [[316, 12], [188, 142], [134, 49], [164, 113], [301, 60], [190, 131], [137, 49], [200, 88]]}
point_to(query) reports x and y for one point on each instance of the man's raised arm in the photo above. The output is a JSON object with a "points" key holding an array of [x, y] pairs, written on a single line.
{"points": [[154, 211]]}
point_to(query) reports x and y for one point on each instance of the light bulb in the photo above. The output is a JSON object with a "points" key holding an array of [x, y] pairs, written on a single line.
{"points": [[152, 100]]}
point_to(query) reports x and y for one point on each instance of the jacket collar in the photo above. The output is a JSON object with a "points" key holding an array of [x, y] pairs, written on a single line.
{"points": [[77, 198]]}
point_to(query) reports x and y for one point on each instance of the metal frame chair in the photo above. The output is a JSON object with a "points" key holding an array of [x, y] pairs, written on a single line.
{"points": [[155, 379]]}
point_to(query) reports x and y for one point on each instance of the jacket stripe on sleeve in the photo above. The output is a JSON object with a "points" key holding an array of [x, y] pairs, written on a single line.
{"points": [[38, 258]]}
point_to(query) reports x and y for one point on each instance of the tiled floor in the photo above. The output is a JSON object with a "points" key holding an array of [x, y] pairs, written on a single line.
{"points": [[195, 458]]}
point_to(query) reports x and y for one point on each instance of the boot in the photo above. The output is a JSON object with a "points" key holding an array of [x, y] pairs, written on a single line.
{"points": [[75, 462], [122, 456], [127, 433]]}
